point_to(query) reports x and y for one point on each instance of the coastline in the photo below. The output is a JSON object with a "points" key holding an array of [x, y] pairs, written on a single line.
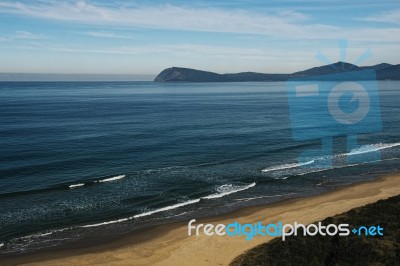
{"points": [[169, 244]]}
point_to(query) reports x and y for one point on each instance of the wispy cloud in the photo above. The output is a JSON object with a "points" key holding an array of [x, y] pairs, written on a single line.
{"points": [[184, 51], [180, 50], [261, 36], [202, 51], [28, 35], [163, 16], [285, 23], [22, 35], [108, 34], [392, 16], [282, 24]]}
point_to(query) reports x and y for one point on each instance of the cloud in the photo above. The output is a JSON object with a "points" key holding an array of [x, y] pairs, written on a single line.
{"points": [[27, 35], [221, 58], [386, 17], [210, 52], [108, 34], [22, 35], [281, 24], [302, 34], [178, 51]]}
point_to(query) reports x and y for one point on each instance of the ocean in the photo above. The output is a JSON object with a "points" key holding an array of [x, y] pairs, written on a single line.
{"points": [[85, 160]]}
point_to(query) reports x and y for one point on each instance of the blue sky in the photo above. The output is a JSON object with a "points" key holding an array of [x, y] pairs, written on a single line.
{"points": [[144, 37]]}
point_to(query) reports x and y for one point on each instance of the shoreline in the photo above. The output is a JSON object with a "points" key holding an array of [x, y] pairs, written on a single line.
{"points": [[169, 244]]}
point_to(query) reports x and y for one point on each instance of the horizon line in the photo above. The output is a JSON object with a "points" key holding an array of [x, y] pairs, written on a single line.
{"points": [[57, 77]]}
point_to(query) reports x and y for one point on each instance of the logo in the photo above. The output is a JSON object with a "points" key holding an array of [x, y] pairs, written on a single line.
{"points": [[344, 102], [359, 94], [249, 231]]}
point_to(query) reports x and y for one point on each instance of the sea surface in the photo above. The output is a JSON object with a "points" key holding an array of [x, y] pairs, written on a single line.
{"points": [[94, 159]]}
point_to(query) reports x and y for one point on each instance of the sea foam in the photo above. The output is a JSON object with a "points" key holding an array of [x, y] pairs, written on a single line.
{"points": [[286, 166], [109, 179], [222, 191], [227, 190], [372, 148], [76, 185]]}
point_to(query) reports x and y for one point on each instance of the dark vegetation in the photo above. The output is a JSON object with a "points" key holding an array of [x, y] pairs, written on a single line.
{"points": [[337, 250]]}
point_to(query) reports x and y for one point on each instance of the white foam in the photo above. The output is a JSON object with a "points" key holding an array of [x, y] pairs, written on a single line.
{"points": [[114, 178], [76, 185], [1, 245], [46, 234], [271, 196], [345, 165], [144, 214], [167, 208], [224, 190], [372, 148], [110, 222], [317, 170], [36, 235], [228, 189], [361, 150], [286, 166]]}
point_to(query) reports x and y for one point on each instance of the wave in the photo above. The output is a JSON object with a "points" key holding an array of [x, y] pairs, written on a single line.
{"points": [[282, 178], [361, 150], [372, 148], [271, 196], [47, 233], [228, 189], [171, 207], [316, 170], [104, 223], [1, 245], [60, 186], [223, 191], [109, 179], [76, 185], [286, 166]]}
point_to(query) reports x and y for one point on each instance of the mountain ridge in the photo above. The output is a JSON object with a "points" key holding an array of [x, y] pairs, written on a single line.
{"points": [[181, 74]]}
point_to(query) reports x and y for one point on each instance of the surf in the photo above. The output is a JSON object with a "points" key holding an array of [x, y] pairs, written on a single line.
{"points": [[110, 179], [228, 189], [76, 185], [222, 190]]}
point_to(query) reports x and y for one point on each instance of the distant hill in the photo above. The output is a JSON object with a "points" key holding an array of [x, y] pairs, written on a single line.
{"points": [[378, 66], [338, 67], [180, 74], [392, 72], [176, 74]]}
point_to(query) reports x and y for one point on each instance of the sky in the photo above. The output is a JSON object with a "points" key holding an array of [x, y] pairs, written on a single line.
{"points": [[145, 37]]}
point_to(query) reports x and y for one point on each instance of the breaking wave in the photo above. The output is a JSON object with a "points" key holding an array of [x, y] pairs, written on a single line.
{"points": [[109, 179], [222, 191]]}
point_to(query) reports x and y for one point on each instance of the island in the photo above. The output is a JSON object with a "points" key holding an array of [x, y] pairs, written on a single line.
{"points": [[384, 71]]}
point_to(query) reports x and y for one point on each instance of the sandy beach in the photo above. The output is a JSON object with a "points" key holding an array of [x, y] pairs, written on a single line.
{"points": [[171, 245]]}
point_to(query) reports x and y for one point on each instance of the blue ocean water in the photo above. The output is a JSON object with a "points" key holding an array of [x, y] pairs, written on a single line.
{"points": [[85, 159]]}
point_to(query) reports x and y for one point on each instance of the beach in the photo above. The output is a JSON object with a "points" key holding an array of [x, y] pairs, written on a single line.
{"points": [[170, 244], [195, 133]]}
